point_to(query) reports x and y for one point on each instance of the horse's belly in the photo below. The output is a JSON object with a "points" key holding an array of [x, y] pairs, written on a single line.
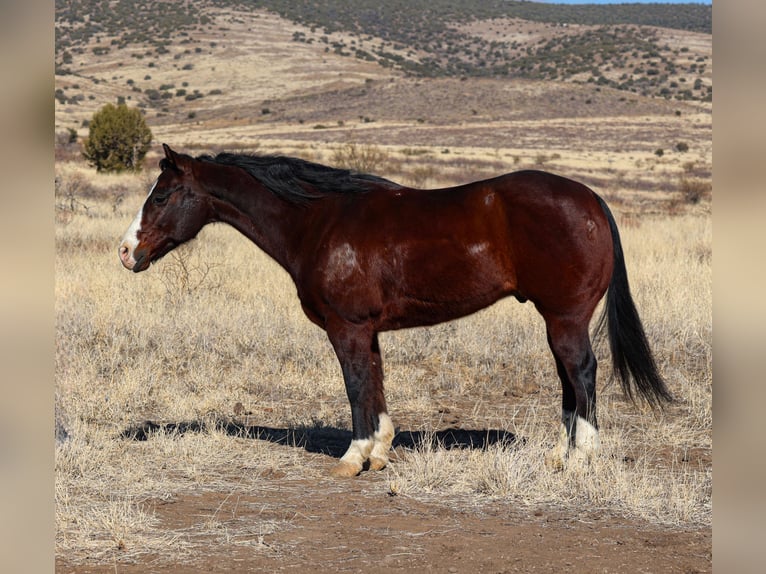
{"points": [[404, 314], [440, 288]]}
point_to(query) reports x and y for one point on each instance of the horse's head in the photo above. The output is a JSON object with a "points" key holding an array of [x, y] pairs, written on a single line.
{"points": [[174, 212]]}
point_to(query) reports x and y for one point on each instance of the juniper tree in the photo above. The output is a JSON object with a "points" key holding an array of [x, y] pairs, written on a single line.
{"points": [[118, 138]]}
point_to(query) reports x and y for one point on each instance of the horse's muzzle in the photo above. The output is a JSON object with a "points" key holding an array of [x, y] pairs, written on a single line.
{"points": [[126, 257]]}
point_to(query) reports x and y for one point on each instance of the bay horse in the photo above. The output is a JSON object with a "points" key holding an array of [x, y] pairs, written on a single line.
{"points": [[368, 255]]}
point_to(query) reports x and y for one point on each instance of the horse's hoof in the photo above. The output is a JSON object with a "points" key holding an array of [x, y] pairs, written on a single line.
{"points": [[378, 463], [580, 459], [555, 461], [345, 470]]}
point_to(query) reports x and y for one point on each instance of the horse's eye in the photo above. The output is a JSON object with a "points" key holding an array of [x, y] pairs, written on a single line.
{"points": [[160, 198]]}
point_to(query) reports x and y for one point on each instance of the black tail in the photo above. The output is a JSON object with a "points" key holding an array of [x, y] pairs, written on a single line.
{"points": [[632, 358]]}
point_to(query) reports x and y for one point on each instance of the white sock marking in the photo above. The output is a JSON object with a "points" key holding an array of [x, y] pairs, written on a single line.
{"points": [[586, 437], [358, 452], [384, 436]]}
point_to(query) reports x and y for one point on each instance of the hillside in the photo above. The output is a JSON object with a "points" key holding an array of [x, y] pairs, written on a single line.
{"points": [[602, 102], [623, 46]]}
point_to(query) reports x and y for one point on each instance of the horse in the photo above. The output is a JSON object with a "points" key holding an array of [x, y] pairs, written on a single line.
{"points": [[368, 255]]}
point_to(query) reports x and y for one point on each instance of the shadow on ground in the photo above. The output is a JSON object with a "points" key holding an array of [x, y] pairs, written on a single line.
{"points": [[325, 440]]}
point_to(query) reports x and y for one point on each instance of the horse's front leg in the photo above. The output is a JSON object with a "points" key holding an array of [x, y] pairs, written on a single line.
{"points": [[359, 354]]}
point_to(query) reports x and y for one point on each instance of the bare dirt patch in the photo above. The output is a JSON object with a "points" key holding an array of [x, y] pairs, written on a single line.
{"points": [[282, 522], [356, 526]]}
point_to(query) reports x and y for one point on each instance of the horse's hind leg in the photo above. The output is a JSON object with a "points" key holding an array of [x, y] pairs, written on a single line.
{"points": [[359, 355], [558, 456], [576, 367]]}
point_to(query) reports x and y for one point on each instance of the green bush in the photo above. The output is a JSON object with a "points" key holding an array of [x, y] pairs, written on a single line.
{"points": [[118, 139]]}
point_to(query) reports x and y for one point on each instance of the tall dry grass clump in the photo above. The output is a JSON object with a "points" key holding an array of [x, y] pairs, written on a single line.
{"points": [[216, 330]]}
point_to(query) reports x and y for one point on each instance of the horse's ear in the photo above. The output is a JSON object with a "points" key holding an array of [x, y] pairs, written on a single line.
{"points": [[170, 155], [170, 160]]}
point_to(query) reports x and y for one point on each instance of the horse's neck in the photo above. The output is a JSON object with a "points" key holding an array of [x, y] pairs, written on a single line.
{"points": [[259, 215]]}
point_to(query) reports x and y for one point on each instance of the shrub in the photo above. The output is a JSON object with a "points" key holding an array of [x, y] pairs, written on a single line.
{"points": [[362, 158], [118, 138], [695, 190]]}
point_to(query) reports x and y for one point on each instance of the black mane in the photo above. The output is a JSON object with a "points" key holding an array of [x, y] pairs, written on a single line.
{"points": [[298, 180]]}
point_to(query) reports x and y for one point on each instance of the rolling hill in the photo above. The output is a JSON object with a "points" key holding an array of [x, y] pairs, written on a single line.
{"points": [[596, 92]]}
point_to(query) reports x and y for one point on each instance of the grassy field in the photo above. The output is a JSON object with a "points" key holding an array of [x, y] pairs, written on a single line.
{"points": [[243, 396], [213, 338]]}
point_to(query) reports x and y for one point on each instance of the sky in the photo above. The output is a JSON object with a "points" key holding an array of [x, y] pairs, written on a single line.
{"points": [[627, 1]]}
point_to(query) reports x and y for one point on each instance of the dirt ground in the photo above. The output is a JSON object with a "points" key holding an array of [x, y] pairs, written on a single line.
{"points": [[344, 527], [363, 525]]}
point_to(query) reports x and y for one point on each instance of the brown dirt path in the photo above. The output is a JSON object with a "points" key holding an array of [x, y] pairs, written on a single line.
{"points": [[357, 526]]}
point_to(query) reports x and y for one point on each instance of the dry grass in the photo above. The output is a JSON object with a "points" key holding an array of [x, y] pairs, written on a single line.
{"points": [[216, 331]]}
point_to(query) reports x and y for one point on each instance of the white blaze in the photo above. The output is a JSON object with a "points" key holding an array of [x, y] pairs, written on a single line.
{"points": [[130, 238]]}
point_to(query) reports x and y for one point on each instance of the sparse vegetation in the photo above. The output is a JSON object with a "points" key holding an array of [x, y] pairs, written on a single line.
{"points": [[695, 190], [198, 410], [361, 158], [430, 39], [192, 357]]}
